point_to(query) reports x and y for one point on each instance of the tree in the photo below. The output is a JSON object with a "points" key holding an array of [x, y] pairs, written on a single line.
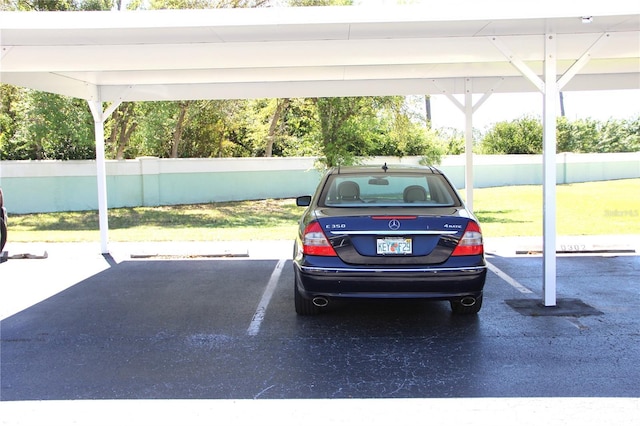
{"points": [[620, 136], [320, 2], [281, 106], [339, 137], [453, 140], [179, 128], [9, 97], [120, 126], [427, 110], [206, 4], [632, 137], [520, 136], [577, 136], [153, 132], [216, 129], [59, 5], [402, 132], [298, 130], [364, 126], [49, 126], [264, 120], [40, 5]]}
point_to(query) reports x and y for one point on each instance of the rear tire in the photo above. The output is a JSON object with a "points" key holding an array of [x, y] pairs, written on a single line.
{"points": [[304, 306], [458, 309], [3, 222], [3, 232]]}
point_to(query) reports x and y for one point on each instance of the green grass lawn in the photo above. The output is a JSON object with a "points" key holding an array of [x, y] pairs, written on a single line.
{"points": [[593, 208], [611, 207]]}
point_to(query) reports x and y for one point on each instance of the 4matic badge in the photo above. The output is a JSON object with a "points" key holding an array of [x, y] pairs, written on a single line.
{"points": [[452, 226]]}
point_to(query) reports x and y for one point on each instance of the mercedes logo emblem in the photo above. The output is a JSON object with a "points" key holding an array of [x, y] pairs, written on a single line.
{"points": [[394, 224]]}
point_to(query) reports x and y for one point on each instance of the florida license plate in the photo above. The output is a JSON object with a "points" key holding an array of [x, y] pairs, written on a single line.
{"points": [[394, 246]]}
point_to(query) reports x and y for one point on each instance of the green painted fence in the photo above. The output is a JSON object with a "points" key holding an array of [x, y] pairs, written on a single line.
{"points": [[47, 186]]}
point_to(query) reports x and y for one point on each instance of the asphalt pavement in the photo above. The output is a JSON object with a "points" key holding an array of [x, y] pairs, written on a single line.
{"points": [[202, 333]]}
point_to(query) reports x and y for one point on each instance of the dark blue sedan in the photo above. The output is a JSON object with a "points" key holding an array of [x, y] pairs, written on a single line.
{"points": [[3, 223], [387, 232]]}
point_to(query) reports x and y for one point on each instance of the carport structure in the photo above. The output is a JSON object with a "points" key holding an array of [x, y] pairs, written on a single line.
{"points": [[458, 49]]}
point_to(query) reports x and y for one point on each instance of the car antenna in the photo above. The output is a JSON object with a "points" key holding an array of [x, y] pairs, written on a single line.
{"points": [[385, 168]]}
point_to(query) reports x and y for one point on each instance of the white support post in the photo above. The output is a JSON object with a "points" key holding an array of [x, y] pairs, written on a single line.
{"points": [[101, 173], [468, 109], [468, 144], [551, 92]]}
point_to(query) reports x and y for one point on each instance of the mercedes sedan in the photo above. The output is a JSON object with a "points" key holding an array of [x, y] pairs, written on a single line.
{"points": [[387, 232], [3, 223]]}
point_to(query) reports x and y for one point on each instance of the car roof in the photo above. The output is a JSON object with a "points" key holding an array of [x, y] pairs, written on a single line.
{"points": [[383, 168]]}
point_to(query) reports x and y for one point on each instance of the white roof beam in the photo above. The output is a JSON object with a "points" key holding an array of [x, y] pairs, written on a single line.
{"points": [[518, 63], [580, 63]]}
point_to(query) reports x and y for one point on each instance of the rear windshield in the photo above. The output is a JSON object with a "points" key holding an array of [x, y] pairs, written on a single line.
{"points": [[388, 190]]}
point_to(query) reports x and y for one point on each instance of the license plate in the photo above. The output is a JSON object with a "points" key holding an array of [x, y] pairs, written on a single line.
{"points": [[397, 246]]}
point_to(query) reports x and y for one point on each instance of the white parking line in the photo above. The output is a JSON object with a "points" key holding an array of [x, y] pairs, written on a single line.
{"points": [[512, 282], [288, 412], [254, 327]]}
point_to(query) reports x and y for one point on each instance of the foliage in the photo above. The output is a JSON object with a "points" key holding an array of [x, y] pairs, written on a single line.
{"points": [[620, 136], [577, 136], [298, 135], [47, 126], [205, 4], [58, 5], [521, 136], [9, 96], [524, 136], [338, 129], [35, 125], [368, 126], [120, 125], [39, 5], [264, 130], [320, 2], [215, 129], [453, 142], [151, 136]]}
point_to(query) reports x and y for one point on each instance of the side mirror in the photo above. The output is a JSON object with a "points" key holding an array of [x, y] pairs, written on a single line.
{"points": [[303, 201]]}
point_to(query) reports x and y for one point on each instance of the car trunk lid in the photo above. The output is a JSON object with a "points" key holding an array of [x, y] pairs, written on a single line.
{"points": [[394, 237]]}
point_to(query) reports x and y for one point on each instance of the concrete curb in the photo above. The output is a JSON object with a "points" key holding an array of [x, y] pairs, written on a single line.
{"points": [[283, 249], [581, 244]]}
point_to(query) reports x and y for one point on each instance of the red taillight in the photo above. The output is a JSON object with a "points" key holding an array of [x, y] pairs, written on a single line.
{"points": [[471, 242], [315, 243], [394, 217]]}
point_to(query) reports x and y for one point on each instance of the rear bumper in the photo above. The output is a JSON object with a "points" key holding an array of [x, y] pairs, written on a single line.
{"points": [[423, 283]]}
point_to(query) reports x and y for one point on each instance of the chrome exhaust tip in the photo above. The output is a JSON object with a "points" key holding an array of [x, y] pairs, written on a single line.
{"points": [[468, 301], [320, 302]]}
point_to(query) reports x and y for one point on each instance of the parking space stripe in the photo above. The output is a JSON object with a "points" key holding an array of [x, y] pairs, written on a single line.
{"points": [[258, 317], [512, 282], [336, 411]]}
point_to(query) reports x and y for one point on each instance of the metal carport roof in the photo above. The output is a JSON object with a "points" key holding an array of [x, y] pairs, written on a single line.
{"points": [[459, 47], [318, 51]]}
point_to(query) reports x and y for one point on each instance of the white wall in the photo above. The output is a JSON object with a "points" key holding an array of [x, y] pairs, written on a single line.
{"points": [[45, 186]]}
